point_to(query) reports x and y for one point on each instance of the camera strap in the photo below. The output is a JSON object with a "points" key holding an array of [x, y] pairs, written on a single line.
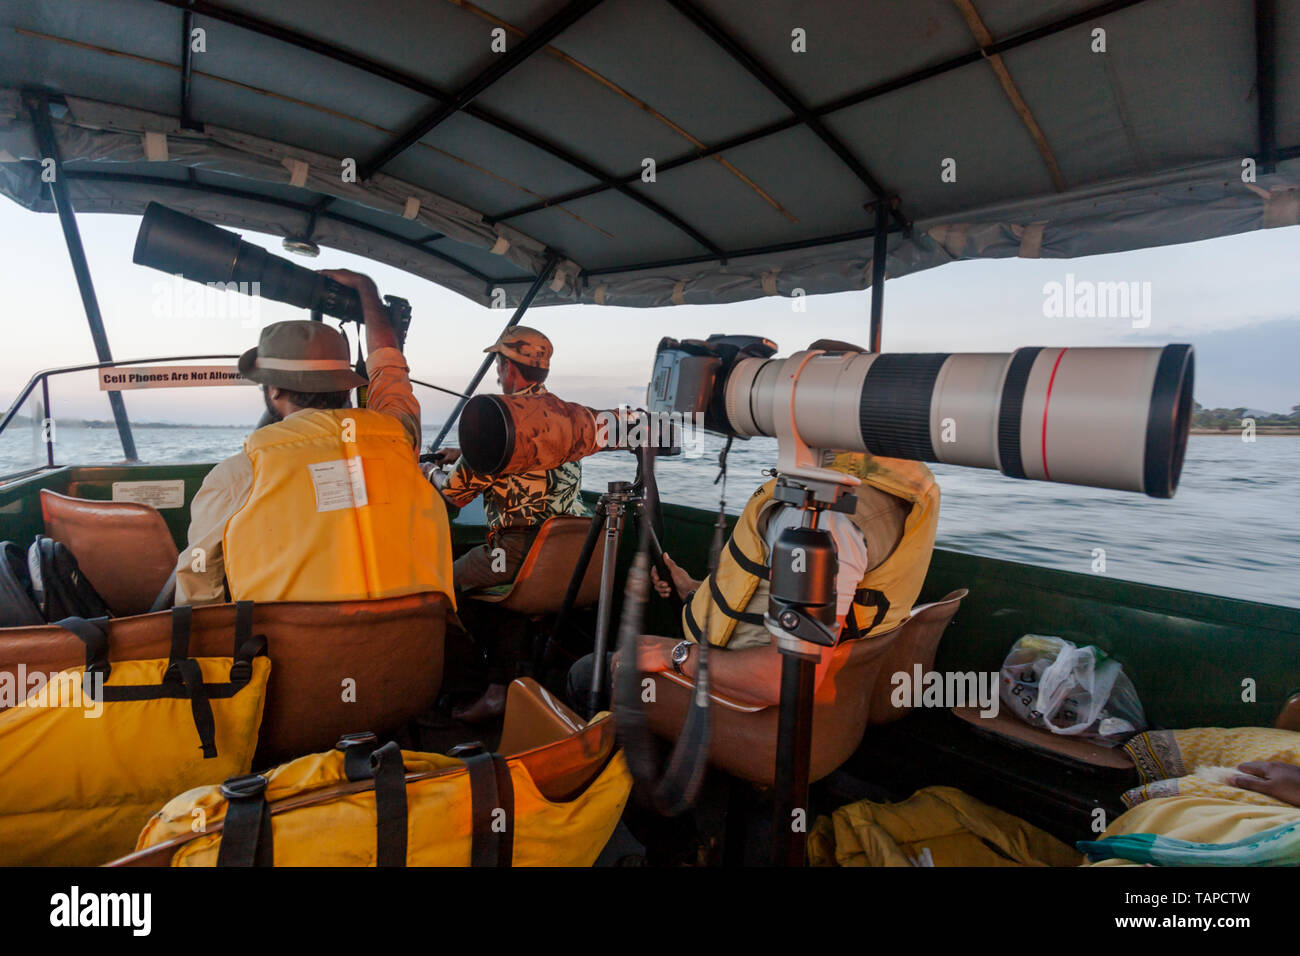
{"points": [[672, 791], [359, 368], [722, 466]]}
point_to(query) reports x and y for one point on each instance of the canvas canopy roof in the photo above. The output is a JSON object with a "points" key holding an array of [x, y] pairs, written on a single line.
{"points": [[489, 137]]}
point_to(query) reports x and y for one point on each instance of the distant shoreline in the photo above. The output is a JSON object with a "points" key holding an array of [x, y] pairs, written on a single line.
{"points": [[1235, 431]]}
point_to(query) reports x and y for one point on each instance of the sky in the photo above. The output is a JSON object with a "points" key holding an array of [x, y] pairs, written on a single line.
{"points": [[1236, 298]]}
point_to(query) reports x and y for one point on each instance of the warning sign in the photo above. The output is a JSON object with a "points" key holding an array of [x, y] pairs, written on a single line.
{"points": [[169, 376], [160, 494]]}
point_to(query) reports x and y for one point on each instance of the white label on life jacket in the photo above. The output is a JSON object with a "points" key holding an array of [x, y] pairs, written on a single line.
{"points": [[160, 494], [339, 484]]}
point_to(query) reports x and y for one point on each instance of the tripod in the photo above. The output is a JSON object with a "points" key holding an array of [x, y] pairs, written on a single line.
{"points": [[620, 500], [801, 615]]}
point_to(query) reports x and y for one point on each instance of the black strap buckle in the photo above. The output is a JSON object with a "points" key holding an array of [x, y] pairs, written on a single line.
{"points": [[358, 754], [471, 749], [244, 787], [362, 738]]}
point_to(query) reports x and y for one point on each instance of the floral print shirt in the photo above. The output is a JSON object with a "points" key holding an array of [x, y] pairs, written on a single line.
{"points": [[519, 501]]}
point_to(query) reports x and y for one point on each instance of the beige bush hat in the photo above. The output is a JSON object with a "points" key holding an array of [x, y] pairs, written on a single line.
{"points": [[525, 346], [303, 356]]}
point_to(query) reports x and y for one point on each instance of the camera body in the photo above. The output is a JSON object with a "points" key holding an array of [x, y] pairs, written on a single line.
{"points": [[690, 375]]}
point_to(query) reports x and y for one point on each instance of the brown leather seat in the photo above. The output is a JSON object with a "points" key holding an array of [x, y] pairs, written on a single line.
{"points": [[854, 693], [562, 752], [123, 548], [543, 577], [335, 668]]}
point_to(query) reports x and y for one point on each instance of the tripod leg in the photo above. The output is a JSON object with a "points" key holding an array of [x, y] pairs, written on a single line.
{"points": [[575, 584], [793, 752], [613, 534]]}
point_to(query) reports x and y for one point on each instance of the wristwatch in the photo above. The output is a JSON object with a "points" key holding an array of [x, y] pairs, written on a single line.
{"points": [[680, 652]]}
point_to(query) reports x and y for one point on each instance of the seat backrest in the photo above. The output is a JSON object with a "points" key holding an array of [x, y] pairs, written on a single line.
{"points": [[563, 752], [544, 575], [335, 667], [854, 693], [917, 643], [123, 548]]}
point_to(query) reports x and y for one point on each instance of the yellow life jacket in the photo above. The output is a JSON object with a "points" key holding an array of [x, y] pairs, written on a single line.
{"points": [[338, 511], [886, 593], [363, 805], [86, 762]]}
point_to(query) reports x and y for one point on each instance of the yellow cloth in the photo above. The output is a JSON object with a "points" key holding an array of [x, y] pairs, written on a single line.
{"points": [[1198, 762], [78, 787], [1200, 819], [955, 829], [341, 831]]}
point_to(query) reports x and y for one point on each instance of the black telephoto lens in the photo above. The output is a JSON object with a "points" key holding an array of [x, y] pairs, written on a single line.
{"points": [[182, 245]]}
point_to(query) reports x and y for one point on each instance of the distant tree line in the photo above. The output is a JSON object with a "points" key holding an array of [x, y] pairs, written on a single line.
{"points": [[1225, 419]]}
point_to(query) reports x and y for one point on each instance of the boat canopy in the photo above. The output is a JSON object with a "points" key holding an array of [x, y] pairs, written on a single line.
{"points": [[658, 152]]}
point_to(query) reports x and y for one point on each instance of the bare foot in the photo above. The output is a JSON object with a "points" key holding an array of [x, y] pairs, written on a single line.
{"points": [[488, 707]]}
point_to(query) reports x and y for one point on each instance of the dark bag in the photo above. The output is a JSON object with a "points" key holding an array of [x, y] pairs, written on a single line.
{"points": [[59, 587], [17, 605]]}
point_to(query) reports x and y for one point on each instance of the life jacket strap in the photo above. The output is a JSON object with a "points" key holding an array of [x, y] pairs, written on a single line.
{"points": [[491, 790], [390, 805], [866, 597], [93, 633], [246, 833], [726, 608], [185, 669], [750, 566]]}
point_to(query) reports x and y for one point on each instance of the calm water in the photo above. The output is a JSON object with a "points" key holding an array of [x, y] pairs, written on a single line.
{"points": [[1233, 528]]}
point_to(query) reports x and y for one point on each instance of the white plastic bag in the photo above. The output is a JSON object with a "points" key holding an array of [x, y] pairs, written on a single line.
{"points": [[1051, 683]]}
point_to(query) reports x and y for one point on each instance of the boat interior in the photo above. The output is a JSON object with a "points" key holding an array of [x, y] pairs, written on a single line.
{"points": [[533, 153], [972, 609]]}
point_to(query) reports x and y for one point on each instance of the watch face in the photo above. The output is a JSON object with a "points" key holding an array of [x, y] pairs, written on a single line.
{"points": [[680, 652]]}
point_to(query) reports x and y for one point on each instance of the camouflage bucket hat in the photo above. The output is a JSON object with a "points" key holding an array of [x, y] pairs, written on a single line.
{"points": [[524, 345]]}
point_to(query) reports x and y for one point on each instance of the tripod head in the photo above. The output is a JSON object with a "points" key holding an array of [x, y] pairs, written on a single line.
{"points": [[801, 603]]}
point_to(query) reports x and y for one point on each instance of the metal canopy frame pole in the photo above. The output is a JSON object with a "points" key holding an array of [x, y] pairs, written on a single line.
{"points": [[38, 108], [1266, 82], [383, 71], [879, 252], [733, 48], [844, 102], [574, 11], [187, 71], [551, 262]]}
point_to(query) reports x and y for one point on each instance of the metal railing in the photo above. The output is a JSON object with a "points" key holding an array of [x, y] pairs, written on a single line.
{"points": [[41, 380]]}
